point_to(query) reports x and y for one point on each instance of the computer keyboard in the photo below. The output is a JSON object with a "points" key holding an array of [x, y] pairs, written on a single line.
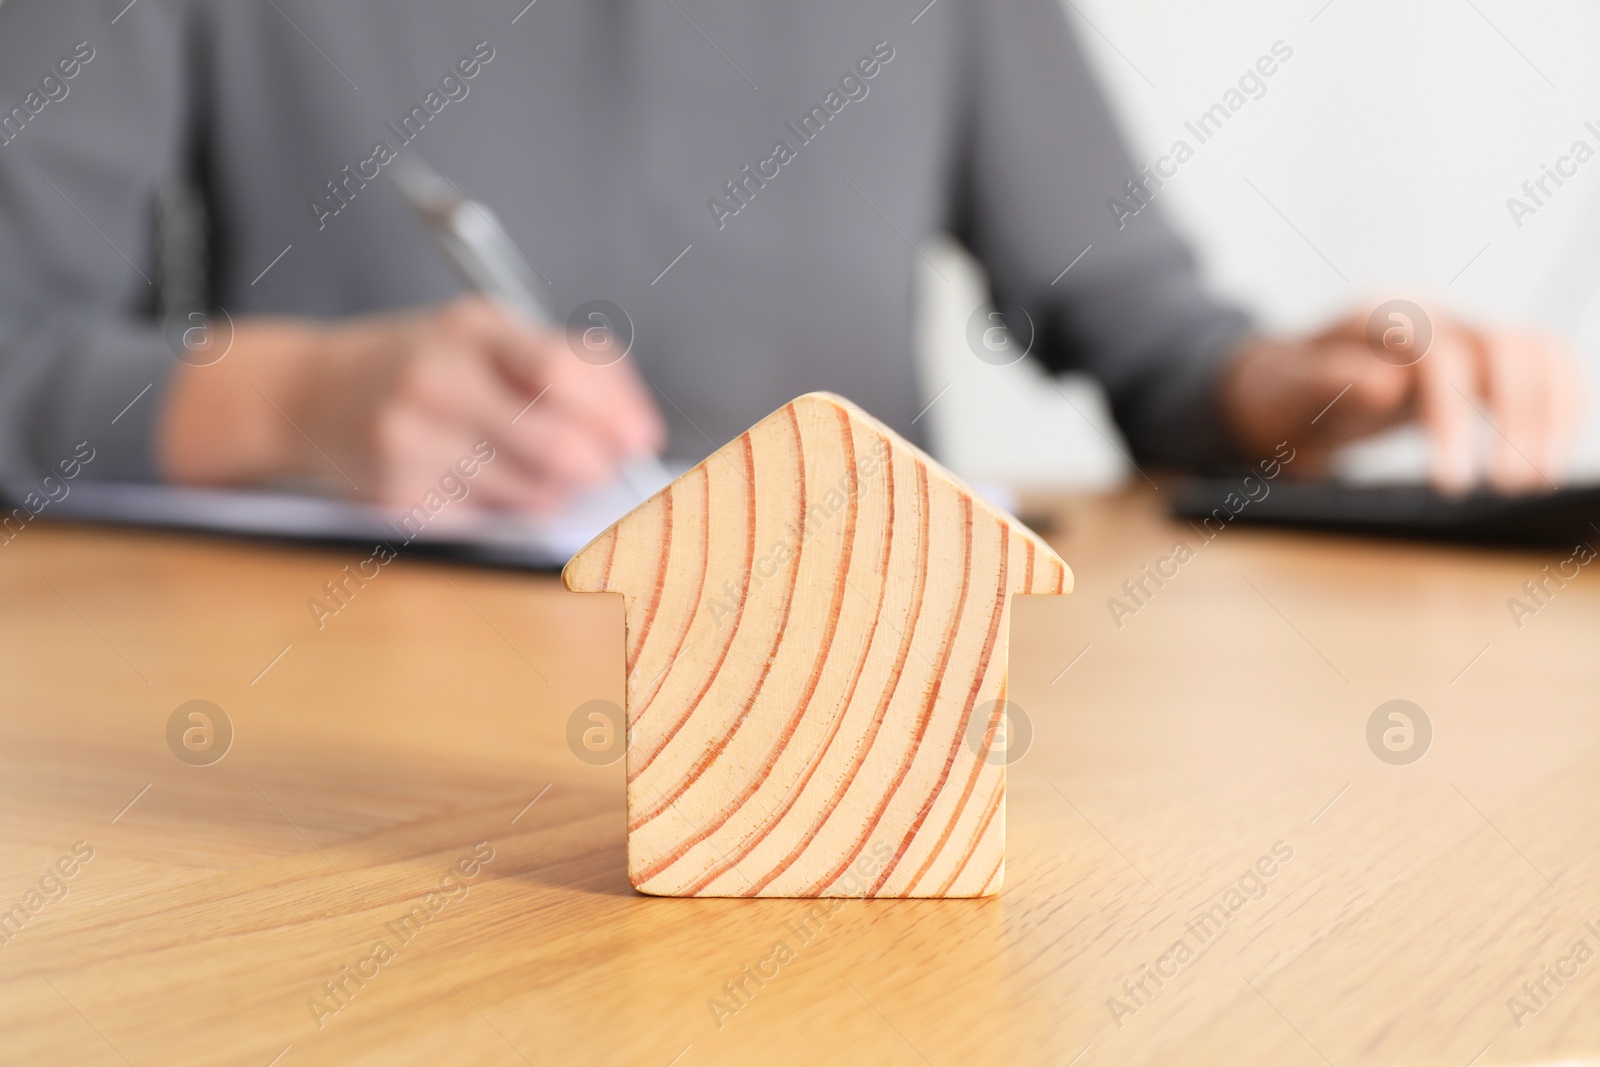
{"points": [[1562, 517]]}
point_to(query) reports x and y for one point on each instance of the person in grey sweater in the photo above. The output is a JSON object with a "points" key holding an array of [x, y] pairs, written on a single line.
{"points": [[726, 203]]}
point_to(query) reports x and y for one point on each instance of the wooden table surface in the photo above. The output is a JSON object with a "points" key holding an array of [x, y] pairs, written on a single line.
{"points": [[1220, 729]]}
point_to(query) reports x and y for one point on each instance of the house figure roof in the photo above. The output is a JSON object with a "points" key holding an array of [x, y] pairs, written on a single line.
{"points": [[813, 615]]}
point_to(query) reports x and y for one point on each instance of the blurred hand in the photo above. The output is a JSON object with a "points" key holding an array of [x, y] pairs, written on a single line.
{"points": [[380, 407], [1528, 386]]}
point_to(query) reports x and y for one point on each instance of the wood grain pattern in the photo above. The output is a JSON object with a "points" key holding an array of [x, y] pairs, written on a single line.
{"points": [[813, 615]]}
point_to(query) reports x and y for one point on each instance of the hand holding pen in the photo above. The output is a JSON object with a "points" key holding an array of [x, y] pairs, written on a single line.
{"points": [[378, 408]]}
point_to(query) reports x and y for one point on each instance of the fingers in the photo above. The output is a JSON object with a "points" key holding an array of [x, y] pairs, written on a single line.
{"points": [[1363, 395], [1390, 387], [558, 424], [460, 387], [1446, 379], [1517, 373], [1529, 388], [1568, 402], [428, 459], [608, 401], [1319, 392]]}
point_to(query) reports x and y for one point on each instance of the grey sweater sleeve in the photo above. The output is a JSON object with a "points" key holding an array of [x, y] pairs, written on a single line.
{"points": [[1039, 161], [90, 125]]}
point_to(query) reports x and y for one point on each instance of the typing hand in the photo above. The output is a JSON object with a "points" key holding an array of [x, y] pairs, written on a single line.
{"points": [[1392, 367], [381, 407]]}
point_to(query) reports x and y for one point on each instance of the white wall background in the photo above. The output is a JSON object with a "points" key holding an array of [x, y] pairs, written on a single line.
{"points": [[1391, 140]]}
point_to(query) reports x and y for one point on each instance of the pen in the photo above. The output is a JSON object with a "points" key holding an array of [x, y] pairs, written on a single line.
{"points": [[476, 244]]}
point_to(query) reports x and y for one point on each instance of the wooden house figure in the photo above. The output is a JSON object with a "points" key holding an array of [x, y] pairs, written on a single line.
{"points": [[814, 615]]}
